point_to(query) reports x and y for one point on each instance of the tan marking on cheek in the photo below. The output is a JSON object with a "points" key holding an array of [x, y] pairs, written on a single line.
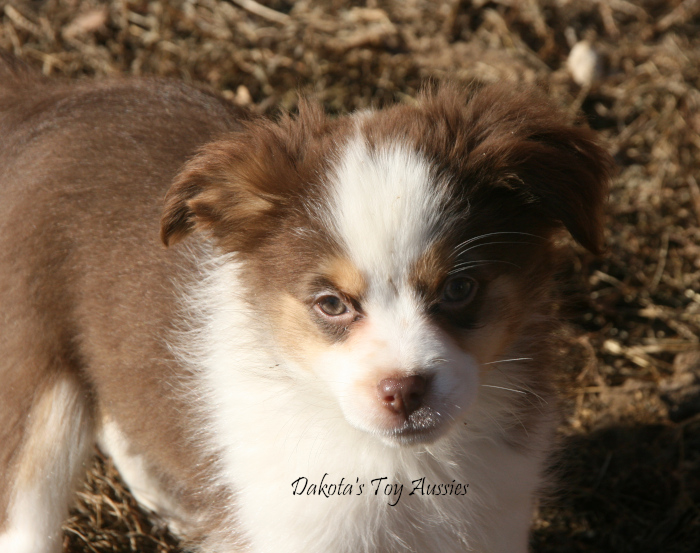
{"points": [[501, 314], [487, 343], [343, 273], [296, 332]]}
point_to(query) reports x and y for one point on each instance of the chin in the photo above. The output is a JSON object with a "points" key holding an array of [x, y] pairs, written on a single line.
{"points": [[230, 306]]}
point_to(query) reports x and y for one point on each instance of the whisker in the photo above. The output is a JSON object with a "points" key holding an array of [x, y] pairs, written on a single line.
{"points": [[542, 400], [496, 422], [502, 388], [529, 391], [462, 252], [520, 422], [469, 264], [508, 360], [466, 242]]}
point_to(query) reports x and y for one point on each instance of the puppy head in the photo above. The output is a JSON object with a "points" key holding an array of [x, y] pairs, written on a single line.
{"points": [[395, 254]]}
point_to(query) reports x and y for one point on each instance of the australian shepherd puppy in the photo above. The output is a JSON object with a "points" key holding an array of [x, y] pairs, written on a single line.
{"points": [[346, 345]]}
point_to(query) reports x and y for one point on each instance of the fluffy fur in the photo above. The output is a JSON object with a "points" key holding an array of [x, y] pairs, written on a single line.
{"points": [[364, 299]]}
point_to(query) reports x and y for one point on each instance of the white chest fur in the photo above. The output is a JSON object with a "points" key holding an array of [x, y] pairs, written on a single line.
{"points": [[285, 446]]}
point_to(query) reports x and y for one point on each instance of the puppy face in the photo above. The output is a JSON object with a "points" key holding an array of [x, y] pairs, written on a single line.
{"points": [[395, 255]]}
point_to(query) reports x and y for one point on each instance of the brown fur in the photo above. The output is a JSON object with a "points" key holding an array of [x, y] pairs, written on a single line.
{"points": [[109, 151], [511, 141], [85, 194], [344, 275], [512, 161]]}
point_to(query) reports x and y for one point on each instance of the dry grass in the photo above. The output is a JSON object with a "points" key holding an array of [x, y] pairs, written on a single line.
{"points": [[632, 436]]}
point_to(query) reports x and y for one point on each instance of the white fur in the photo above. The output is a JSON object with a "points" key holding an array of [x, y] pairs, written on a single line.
{"points": [[59, 441], [272, 428], [397, 340], [137, 474], [385, 209], [272, 420]]}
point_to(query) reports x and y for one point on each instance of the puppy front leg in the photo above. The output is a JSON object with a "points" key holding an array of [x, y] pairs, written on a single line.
{"points": [[41, 475]]}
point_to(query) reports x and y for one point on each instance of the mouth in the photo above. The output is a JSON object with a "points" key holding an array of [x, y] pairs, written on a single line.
{"points": [[424, 425]]}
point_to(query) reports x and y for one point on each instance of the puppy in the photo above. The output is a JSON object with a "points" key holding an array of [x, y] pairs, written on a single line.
{"points": [[346, 345]]}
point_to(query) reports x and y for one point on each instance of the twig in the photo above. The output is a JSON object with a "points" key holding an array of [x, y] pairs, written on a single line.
{"points": [[263, 11], [22, 22], [695, 192], [680, 14], [663, 254]]}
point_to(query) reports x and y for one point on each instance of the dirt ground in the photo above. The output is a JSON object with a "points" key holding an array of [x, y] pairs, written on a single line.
{"points": [[630, 469]]}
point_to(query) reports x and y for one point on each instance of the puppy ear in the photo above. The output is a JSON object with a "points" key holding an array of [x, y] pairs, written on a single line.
{"points": [[561, 170], [568, 174], [234, 188]]}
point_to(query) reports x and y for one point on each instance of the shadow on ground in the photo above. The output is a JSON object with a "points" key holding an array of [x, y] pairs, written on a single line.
{"points": [[627, 489]]}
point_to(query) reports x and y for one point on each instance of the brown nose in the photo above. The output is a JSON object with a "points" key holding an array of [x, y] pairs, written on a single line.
{"points": [[403, 395]]}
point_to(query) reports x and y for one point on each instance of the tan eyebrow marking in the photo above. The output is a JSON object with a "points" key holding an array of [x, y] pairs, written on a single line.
{"points": [[345, 275], [430, 269]]}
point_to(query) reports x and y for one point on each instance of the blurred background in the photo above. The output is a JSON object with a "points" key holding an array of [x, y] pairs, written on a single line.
{"points": [[630, 464]]}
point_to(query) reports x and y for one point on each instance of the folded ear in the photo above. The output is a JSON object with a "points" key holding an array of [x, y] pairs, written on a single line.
{"points": [[568, 174], [242, 187], [528, 145], [234, 188]]}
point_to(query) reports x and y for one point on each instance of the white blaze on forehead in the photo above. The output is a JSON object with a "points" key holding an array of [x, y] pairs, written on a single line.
{"points": [[385, 207]]}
